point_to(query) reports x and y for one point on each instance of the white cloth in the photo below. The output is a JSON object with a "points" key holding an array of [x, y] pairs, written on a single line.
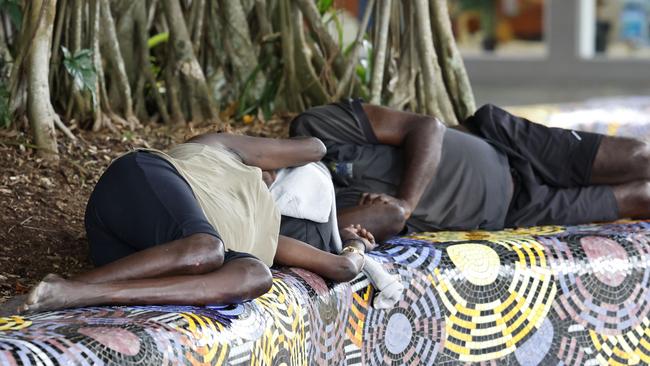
{"points": [[304, 192], [307, 192]]}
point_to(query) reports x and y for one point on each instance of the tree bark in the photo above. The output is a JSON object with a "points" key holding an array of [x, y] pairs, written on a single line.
{"points": [[40, 112], [292, 98], [404, 92], [98, 118], [427, 56], [196, 22], [307, 78], [379, 59], [451, 62], [113, 55], [125, 27], [187, 67], [239, 47], [436, 100], [309, 10]]}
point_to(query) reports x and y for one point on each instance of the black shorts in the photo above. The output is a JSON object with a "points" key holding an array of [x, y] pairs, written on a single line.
{"points": [[316, 234], [551, 168], [139, 202]]}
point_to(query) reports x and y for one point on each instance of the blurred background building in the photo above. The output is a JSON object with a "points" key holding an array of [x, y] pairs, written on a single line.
{"points": [[548, 51]]}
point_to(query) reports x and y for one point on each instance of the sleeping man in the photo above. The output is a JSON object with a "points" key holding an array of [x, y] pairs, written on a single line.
{"points": [[396, 172]]}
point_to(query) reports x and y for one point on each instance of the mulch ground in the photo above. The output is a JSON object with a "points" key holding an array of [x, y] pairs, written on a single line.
{"points": [[42, 207]]}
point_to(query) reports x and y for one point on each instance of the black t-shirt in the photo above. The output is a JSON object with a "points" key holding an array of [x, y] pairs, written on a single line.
{"points": [[470, 190]]}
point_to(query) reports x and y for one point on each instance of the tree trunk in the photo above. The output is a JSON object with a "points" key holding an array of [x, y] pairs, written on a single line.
{"points": [[379, 60], [426, 54], [245, 55], [239, 46], [187, 67], [310, 11], [98, 117], [291, 97], [305, 73], [451, 62], [436, 100], [40, 113], [404, 90], [196, 22], [114, 57], [127, 37]]}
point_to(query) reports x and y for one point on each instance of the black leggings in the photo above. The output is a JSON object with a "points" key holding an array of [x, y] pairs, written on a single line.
{"points": [[142, 201]]}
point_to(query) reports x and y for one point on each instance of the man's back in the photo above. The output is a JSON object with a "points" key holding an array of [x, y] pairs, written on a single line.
{"points": [[471, 187]]}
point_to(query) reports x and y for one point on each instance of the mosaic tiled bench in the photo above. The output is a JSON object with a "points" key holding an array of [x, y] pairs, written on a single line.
{"points": [[548, 295]]}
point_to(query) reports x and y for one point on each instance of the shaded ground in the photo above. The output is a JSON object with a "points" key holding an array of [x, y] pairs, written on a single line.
{"points": [[42, 208]]}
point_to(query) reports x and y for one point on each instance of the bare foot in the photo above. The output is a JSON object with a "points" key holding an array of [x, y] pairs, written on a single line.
{"points": [[52, 293]]}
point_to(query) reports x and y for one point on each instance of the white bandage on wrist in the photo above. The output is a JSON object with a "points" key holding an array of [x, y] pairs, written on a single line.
{"points": [[390, 287]]}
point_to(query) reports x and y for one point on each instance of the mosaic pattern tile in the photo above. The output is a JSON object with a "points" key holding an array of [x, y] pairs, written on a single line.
{"points": [[542, 296]]}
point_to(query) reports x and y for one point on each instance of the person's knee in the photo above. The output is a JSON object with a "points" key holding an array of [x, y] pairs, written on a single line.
{"points": [[633, 199], [202, 253], [396, 218], [641, 157], [642, 193]]}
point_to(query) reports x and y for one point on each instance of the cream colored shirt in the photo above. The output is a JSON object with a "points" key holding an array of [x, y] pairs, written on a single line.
{"points": [[232, 195]]}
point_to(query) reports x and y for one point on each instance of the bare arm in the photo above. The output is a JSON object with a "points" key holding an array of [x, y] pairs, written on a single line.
{"points": [[382, 220], [339, 268], [267, 153], [420, 137]]}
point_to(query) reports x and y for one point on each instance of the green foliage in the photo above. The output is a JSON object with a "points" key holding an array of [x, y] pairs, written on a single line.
{"points": [[82, 70], [5, 114], [13, 9], [249, 104], [324, 5], [364, 68], [158, 39]]}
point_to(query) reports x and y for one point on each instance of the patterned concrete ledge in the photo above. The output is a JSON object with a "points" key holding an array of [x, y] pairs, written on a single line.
{"points": [[547, 295]]}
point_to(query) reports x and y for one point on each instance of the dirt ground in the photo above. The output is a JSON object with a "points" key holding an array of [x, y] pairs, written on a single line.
{"points": [[42, 207]]}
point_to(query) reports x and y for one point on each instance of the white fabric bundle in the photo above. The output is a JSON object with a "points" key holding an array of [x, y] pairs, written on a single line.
{"points": [[307, 192]]}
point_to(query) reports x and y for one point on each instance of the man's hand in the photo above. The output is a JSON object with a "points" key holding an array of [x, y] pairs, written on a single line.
{"points": [[381, 198], [268, 176], [359, 233]]}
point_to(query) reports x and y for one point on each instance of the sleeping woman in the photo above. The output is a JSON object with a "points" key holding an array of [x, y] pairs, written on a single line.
{"points": [[195, 225]]}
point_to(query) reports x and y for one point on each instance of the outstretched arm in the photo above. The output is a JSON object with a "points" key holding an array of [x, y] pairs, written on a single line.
{"points": [[267, 153], [421, 139], [339, 268]]}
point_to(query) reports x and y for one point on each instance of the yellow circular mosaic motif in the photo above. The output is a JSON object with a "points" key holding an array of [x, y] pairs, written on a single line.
{"points": [[497, 293], [479, 264]]}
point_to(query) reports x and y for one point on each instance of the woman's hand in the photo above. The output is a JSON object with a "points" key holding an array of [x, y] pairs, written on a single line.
{"points": [[359, 233]]}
